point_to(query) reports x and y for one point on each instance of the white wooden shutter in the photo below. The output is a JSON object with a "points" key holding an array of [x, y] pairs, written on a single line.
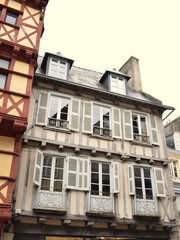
{"points": [[87, 117], [38, 168], [42, 107], [128, 135], [75, 114], [83, 174], [53, 67], [72, 172], [116, 182], [159, 182], [116, 122], [154, 132], [131, 185]]}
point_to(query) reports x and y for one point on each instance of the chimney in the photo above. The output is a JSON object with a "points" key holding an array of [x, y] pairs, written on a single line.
{"points": [[131, 68]]}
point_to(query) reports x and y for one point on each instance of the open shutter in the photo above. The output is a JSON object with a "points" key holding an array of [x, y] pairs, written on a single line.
{"points": [[83, 174], [87, 117], [159, 182], [116, 123], [154, 133], [72, 173], [128, 125], [38, 168], [42, 107], [131, 185], [116, 182], [75, 114]]}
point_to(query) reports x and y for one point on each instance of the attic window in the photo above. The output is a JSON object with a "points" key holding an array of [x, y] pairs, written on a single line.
{"points": [[117, 84], [58, 68]]}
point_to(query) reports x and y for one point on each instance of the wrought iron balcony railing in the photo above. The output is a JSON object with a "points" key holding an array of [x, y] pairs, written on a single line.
{"points": [[141, 138], [58, 123], [106, 132]]}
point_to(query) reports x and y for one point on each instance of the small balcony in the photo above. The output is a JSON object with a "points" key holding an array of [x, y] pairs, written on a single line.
{"points": [[141, 138], [105, 132], [54, 122]]}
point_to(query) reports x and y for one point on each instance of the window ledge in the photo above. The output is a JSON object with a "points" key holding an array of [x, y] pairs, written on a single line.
{"points": [[50, 210], [100, 214], [141, 144], [102, 137], [57, 129]]}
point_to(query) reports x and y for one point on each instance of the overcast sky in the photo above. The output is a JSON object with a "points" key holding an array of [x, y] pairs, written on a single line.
{"points": [[103, 34]]}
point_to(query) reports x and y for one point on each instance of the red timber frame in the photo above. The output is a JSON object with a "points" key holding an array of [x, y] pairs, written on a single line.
{"points": [[11, 48]]}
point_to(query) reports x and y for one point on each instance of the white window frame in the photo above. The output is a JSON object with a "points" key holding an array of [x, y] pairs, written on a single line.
{"points": [[116, 80], [101, 118], [60, 97], [3, 76], [59, 63], [174, 172]]}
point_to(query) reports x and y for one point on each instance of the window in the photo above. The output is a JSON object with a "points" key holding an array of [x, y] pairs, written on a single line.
{"points": [[58, 68], [140, 131], [3, 76], [52, 174], [174, 169], [11, 18], [59, 112], [100, 179], [117, 84], [101, 120], [143, 184]]}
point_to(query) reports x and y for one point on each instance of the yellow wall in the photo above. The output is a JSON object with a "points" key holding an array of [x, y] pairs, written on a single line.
{"points": [[18, 84], [5, 163], [7, 143]]}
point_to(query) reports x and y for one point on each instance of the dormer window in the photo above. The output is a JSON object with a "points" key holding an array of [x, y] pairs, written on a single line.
{"points": [[117, 84], [115, 81], [56, 66]]}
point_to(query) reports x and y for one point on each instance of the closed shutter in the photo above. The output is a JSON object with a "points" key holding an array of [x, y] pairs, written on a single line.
{"points": [[154, 133], [159, 182], [116, 182], [42, 107], [128, 125], [116, 123], [38, 168], [53, 67], [83, 174], [75, 114], [72, 173], [87, 117], [131, 185]]}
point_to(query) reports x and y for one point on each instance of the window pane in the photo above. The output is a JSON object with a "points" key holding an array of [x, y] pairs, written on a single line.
{"points": [[47, 161], [135, 124], [3, 80], [148, 183], [11, 18], [54, 107], [94, 189], [94, 167], [45, 184], [137, 172], [4, 63], [94, 177], [143, 126], [147, 173], [105, 168], [138, 182], [57, 186], [59, 162], [149, 194], [46, 172], [139, 194], [64, 109], [106, 113], [105, 179], [58, 174], [106, 191], [96, 116]]}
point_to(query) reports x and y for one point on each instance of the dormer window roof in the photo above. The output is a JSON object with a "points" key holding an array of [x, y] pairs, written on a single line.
{"points": [[115, 81], [56, 65]]}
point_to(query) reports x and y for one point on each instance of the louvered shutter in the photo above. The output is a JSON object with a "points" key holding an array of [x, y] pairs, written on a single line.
{"points": [[75, 114], [83, 174], [131, 185], [159, 182], [87, 118], [38, 168], [154, 133], [128, 135], [72, 173], [116, 123], [116, 182], [42, 107], [53, 68]]}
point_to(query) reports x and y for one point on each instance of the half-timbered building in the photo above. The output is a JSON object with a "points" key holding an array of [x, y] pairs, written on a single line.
{"points": [[21, 26], [94, 162]]}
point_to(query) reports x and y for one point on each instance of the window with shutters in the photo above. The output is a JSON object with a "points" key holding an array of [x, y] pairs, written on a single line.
{"points": [[140, 128], [101, 120], [58, 68], [4, 65]]}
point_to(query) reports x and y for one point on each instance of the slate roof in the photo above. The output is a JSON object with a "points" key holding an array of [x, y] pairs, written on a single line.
{"points": [[91, 78]]}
